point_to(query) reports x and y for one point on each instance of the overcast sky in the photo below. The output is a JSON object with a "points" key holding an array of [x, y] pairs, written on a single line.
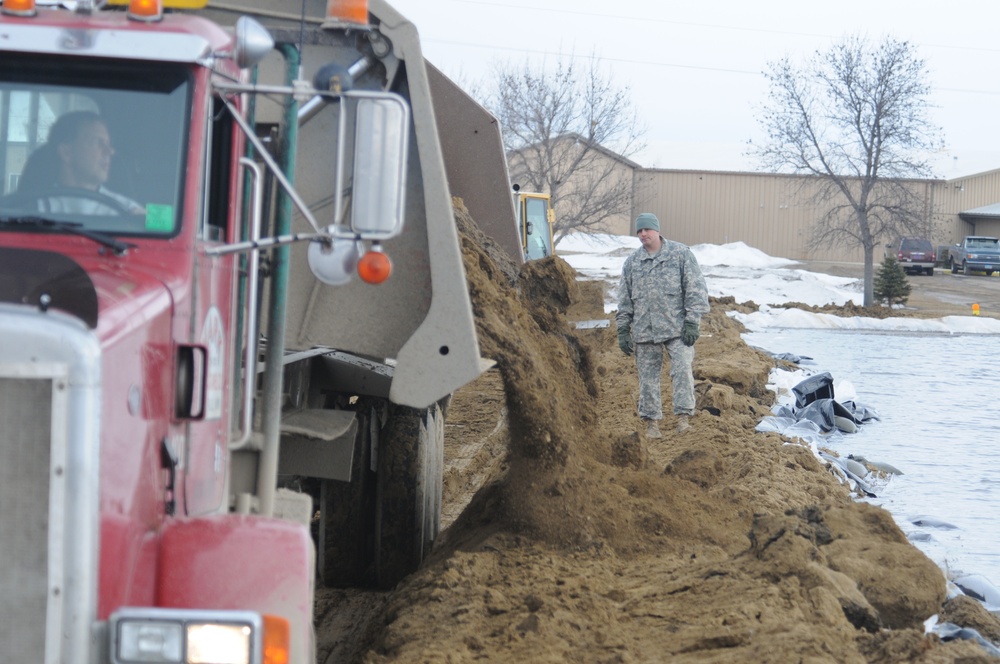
{"points": [[694, 68]]}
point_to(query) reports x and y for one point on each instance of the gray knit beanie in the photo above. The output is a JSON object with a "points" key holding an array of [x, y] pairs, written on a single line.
{"points": [[647, 220]]}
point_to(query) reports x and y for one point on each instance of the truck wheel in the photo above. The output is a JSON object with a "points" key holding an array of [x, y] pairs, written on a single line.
{"points": [[965, 268], [930, 272], [408, 504], [347, 516], [951, 264]]}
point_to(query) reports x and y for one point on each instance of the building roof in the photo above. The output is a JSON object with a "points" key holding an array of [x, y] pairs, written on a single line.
{"points": [[984, 211], [573, 136]]}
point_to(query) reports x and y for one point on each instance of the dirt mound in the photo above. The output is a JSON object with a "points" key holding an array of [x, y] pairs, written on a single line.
{"points": [[596, 545]]}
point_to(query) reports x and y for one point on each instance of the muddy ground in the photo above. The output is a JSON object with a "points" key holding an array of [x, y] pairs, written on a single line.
{"points": [[572, 538]]}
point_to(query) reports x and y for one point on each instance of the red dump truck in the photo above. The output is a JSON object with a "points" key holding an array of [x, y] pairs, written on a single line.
{"points": [[232, 312]]}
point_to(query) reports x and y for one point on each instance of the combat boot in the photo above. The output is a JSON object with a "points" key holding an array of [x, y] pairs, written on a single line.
{"points": [[652, 429], [682, 423]]}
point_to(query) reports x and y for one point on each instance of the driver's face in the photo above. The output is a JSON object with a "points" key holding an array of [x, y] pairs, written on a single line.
{"points": [[87, 160]]}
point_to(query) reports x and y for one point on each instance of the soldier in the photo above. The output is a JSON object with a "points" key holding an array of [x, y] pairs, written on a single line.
{"points": [[661, 300]]}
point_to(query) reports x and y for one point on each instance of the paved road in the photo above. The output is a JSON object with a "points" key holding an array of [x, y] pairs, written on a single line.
{"points": [[944, 294]]}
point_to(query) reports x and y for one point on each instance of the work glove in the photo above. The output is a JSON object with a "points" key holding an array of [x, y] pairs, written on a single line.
{"points": [[625, 340], [689, 333]]}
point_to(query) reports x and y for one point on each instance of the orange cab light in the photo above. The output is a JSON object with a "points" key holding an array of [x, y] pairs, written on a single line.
{"points": [[276, 640], [374, 267], [145, 10], [168, 4], [18, 7], [348, 11]]}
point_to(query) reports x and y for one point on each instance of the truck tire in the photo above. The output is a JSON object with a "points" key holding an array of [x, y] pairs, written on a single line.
{"points": [[347, 517], [965, 269], [951, 264], [408, 504]]}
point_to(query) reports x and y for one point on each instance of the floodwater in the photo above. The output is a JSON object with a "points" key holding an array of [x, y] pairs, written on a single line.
{"points": [[937, 398]]}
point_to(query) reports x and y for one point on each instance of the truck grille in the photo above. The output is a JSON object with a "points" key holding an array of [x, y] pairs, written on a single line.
{"points": [[25, 437], [50, 395]]}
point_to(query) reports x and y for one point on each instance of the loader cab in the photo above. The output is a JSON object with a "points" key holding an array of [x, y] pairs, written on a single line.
{"points": [[535, 221]]}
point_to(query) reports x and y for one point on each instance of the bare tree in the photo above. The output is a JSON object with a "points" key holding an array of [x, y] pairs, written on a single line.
{"points": [[568, 134], [856, 116]]}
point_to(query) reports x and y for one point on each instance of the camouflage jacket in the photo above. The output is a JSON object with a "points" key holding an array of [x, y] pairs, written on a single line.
{"points": [[658, 293]]}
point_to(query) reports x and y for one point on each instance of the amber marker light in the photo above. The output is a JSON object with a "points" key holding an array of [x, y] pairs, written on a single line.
{"points": [[18, 7], [145, 10], [348, 11], [374, 267], [276, 640]]}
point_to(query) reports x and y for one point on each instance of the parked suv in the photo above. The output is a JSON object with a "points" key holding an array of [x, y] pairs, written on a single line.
{"points": [[915, 254]]}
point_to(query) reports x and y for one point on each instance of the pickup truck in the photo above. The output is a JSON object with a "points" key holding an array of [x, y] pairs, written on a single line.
{"points": [[976, 253]]}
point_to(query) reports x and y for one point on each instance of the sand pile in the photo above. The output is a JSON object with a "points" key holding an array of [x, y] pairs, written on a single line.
{"points": [[720, 544]]}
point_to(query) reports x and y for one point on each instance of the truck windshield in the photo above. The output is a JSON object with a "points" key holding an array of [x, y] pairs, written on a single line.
{"points": [[95, 143]]}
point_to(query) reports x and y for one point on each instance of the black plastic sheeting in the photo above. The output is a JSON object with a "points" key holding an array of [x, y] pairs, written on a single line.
{"points": [[829, 414], [788, 357], [813, 388], [816, 414], [952, 632], [814, 401]]}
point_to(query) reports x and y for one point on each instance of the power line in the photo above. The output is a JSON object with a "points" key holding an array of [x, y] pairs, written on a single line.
{"points": [[672, 65], [587, 57], [645, 19], [653, 63], [738, 28]]}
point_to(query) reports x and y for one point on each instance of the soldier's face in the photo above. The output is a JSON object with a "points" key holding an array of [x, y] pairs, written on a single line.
{"points": [[648, 237]]}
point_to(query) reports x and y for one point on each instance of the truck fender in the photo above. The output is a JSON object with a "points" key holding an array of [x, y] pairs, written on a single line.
{"points": [[241, 562]]}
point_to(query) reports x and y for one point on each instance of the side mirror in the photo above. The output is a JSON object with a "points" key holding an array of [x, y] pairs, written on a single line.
{"points": [[377, 146]]}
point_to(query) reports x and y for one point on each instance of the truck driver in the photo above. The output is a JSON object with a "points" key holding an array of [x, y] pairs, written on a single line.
{"points": [[76, 157]]}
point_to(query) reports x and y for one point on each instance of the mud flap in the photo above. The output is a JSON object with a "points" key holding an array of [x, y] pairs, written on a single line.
{"points": [[347, 514]]}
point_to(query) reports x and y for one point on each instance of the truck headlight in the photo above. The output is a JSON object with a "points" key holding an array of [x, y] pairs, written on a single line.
{"points": [[218, 644], [191, 636]]}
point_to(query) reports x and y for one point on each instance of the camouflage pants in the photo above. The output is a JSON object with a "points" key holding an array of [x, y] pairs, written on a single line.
{"points": [[649, 362]]}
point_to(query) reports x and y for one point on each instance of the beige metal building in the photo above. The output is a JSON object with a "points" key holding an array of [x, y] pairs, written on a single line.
{"points": [[775, 213]]}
